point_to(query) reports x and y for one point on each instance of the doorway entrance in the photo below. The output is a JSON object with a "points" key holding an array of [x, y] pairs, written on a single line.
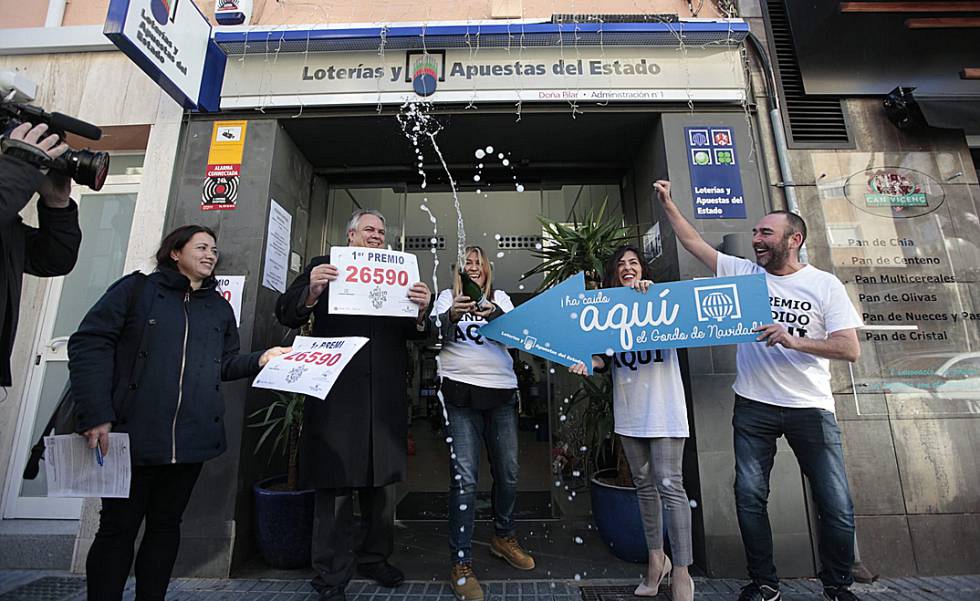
{"points": [[553, 508], [556, 167], [506, 177]]}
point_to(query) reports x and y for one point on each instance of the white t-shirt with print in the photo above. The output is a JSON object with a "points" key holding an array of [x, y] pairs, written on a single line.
{"points": [[811, 303], [648, 396], [467, 356]]}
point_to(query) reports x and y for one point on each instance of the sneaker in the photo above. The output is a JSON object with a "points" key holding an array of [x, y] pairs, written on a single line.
{"points": [[755, 592], [508, 549], [381, 572], [465, 585], [841, 593]]}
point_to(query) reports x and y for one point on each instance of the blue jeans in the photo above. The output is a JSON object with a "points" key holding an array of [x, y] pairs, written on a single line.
{"points": [[815, 439], [470, 429]]}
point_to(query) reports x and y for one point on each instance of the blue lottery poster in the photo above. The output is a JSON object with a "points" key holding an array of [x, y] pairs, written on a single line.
{"points": [[716, 183]]}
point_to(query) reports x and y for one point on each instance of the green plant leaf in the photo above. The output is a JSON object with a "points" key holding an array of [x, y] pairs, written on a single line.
{"points": [[278, 418], [584, 246]]}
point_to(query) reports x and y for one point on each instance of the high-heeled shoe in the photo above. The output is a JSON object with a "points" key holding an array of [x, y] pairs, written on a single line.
{"points": [[645, 590], [674, 596]]}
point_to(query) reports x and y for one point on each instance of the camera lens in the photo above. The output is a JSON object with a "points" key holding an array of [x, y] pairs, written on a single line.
{"points": [[86, 167]]}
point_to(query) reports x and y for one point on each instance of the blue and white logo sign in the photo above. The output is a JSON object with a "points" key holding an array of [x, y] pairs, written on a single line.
{"points": [[170, 40], [161, 10], [715, 180], [568, 323], [426, 70], [698, 137], [717, 302]]}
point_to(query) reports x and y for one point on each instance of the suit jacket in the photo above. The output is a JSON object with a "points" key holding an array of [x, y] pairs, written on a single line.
{"points": [[357, 436]]}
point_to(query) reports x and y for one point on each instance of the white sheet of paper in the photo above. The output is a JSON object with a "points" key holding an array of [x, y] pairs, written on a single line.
{"points": [[74, 471], [277, 247], [372, 281], [232, 287], [311, 367]]}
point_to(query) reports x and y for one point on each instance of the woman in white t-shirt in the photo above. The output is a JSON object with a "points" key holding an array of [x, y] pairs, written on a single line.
{"points": [[650, 416], [479, 388]]}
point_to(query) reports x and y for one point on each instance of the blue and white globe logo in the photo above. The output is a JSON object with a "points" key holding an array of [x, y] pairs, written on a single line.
{"points": [[717, 303]]}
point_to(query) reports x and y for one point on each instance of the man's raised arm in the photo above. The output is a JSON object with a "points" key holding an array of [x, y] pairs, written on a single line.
{"points": [[685, 232]]}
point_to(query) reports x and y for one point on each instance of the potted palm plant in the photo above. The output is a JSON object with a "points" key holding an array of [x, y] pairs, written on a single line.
{"points": [[580, 246], [586, 247], [283, 514]]}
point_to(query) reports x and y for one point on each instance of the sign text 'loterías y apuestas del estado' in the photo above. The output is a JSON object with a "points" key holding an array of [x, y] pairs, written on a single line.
{"points": [[568, 324]]}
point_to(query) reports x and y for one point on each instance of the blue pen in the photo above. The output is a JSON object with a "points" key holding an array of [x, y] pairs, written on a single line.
{"points": [[98, 455]]}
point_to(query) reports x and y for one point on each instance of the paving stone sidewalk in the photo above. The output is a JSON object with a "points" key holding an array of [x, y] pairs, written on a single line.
{"points": [[26, 585]]}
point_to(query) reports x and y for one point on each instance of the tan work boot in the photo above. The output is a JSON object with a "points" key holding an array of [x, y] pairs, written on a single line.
{"points": [[465, 585], [508, 549]]}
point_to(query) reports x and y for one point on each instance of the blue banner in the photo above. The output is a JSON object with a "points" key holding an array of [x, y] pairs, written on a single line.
{"points": [[716, 183], [568, 324]]}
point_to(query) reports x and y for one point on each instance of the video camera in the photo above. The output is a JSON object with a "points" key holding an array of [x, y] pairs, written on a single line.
{"points": [[86, 167]]}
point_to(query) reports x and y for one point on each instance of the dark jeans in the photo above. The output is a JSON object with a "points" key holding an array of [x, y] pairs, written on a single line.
{"points": [[335, 540], [158, 494], [471, 428], [815, 439]]}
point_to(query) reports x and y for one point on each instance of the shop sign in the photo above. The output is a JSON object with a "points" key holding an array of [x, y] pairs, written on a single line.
{"points": [[894, 192], [612, 74], [170, 40], [892, 188], [232, 12], [716, 183]]}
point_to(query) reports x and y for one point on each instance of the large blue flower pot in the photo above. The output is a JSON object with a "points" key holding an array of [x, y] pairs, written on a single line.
{"points": [[616, 511], [283, 524]]}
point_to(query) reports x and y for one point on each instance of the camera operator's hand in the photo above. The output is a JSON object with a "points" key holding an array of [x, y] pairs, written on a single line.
{"points": [[31, 135], [56, 188]]}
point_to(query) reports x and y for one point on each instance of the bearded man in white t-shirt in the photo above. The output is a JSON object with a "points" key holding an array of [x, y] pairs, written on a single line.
{"points": [[782, 388]]}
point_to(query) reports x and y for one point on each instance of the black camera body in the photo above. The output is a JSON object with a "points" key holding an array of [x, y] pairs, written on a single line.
{"points": [[86, 167]]}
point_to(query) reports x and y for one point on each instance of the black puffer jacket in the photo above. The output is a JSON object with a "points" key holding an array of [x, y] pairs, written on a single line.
{"points": [[48, 250], [166, 393]]}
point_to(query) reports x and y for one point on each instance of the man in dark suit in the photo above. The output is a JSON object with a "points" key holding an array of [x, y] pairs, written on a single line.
{"points": [[356, 438]]}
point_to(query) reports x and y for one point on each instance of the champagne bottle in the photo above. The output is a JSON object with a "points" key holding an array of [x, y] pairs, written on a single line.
{"points": [[472, 290]]}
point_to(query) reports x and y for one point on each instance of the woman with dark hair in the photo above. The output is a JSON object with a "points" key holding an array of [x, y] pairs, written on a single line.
{"points": [[650, 417], [479, 387], [148, 360]]}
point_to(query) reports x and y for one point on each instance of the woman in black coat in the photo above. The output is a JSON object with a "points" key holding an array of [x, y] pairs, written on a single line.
{"points": [[156, 375]]}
